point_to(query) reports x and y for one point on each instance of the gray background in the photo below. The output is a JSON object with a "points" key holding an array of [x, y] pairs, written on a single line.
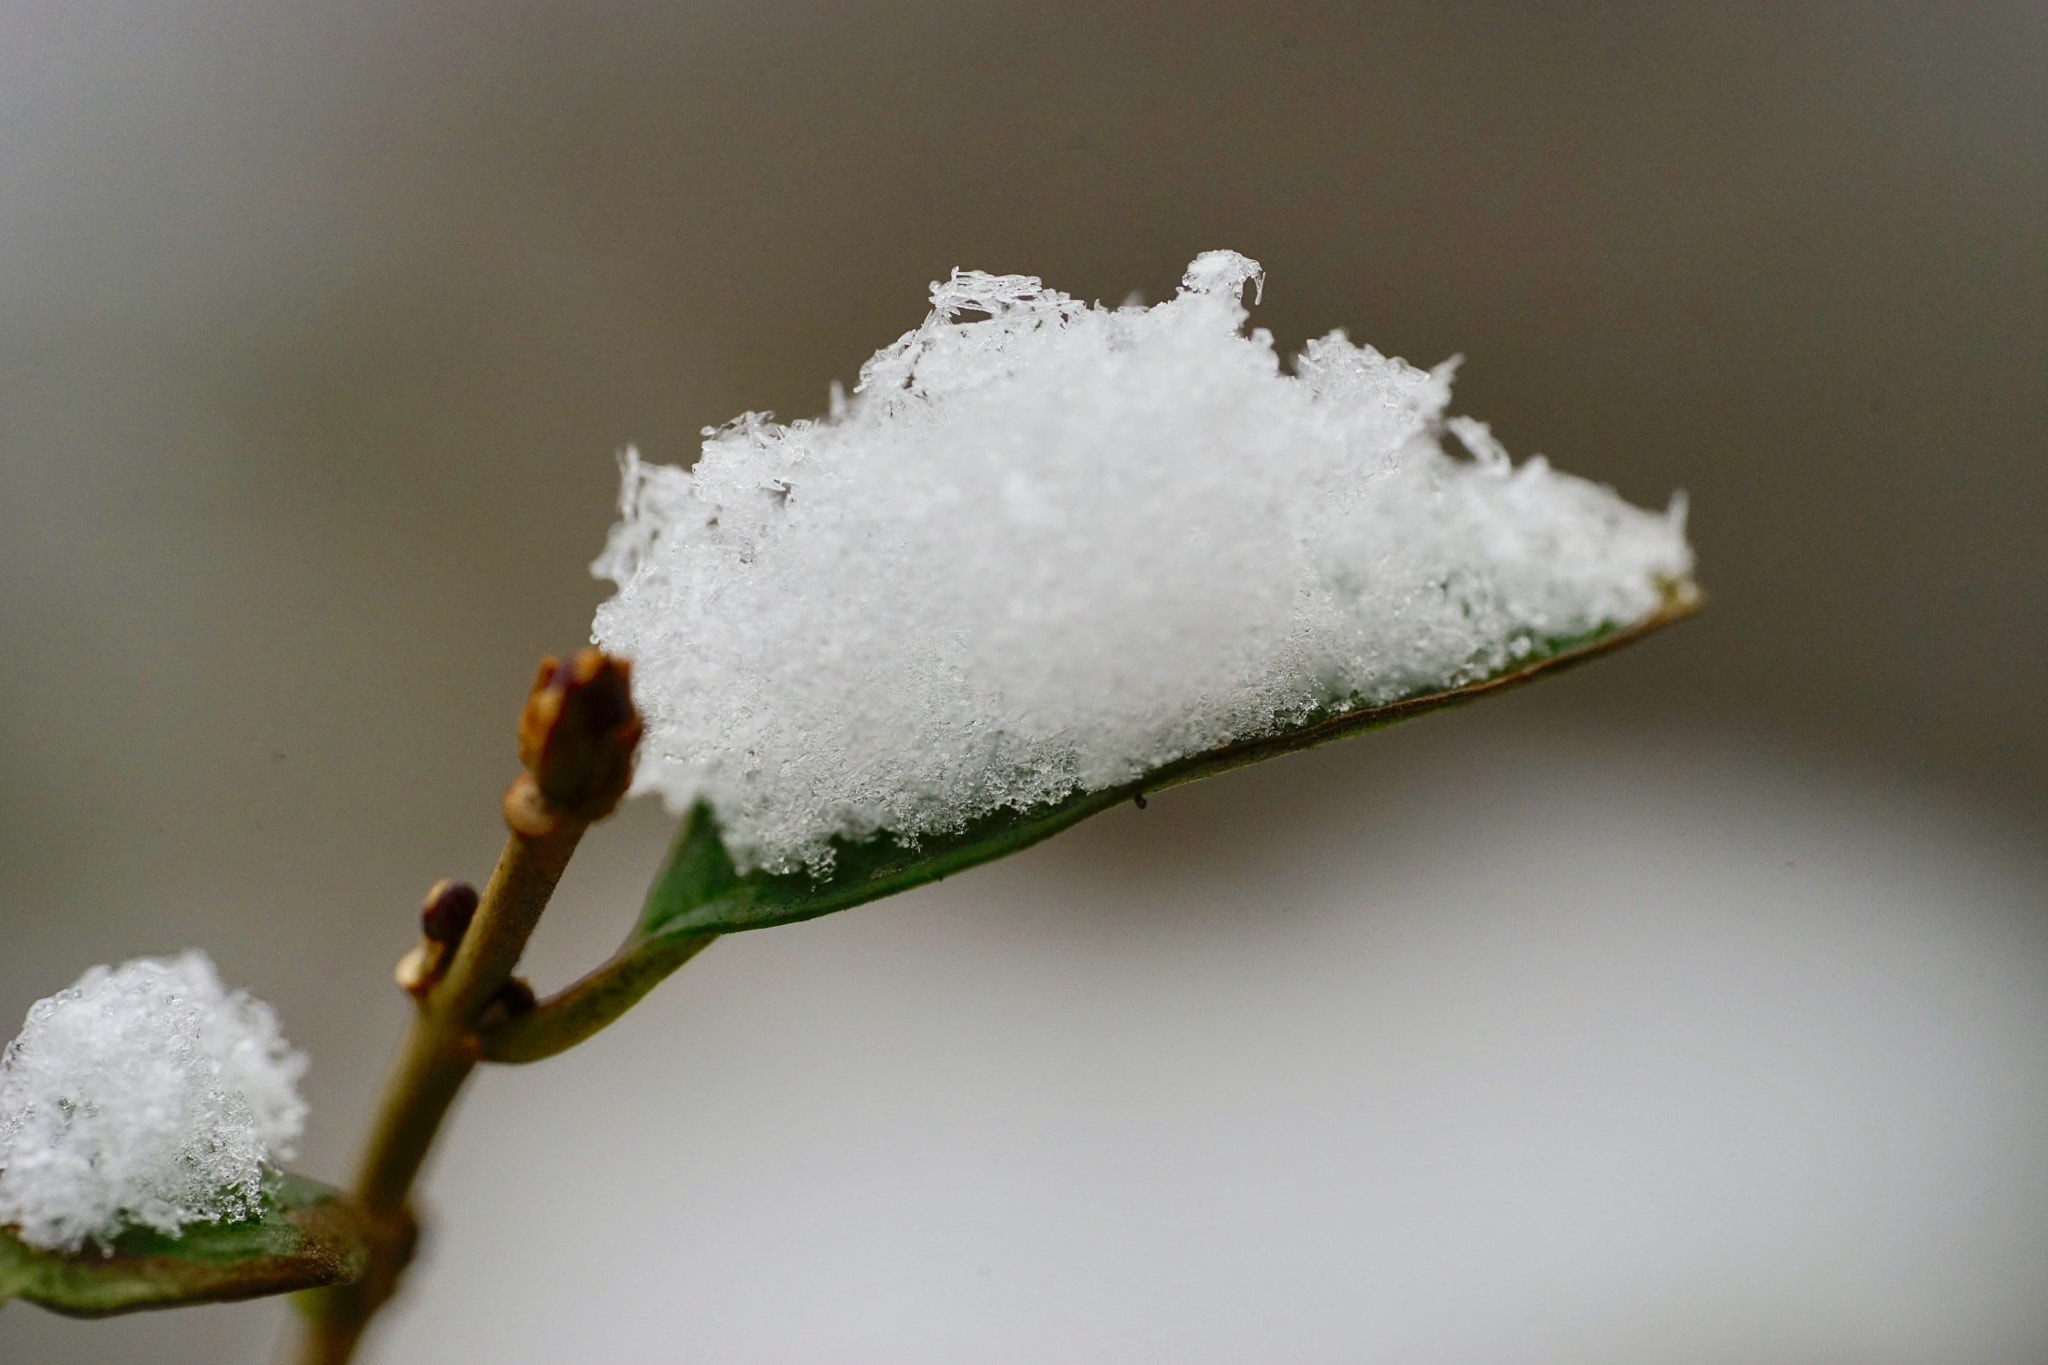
{"points": [[1692, 1008]]}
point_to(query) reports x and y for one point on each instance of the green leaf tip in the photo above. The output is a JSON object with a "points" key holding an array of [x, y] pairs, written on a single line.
{"points": [[698, 892], [307, 1236]]}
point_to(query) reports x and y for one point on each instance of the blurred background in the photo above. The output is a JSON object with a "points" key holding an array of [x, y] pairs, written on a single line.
{"points": [[1690, 1008]]}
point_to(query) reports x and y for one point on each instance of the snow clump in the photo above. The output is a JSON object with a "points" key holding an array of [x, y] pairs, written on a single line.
{"points": [[1049, 546], [145, 1095]]}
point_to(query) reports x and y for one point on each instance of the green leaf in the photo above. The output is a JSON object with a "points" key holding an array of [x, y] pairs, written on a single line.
{"points": [[699, 893], [307, 1236]]}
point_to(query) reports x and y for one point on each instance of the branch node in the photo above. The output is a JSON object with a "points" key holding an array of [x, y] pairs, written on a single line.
{"points": [[527, 813]]}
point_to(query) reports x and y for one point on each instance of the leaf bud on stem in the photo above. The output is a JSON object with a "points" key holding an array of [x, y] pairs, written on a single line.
{"points": [[577, 737], [446, 912], [444, 918]]}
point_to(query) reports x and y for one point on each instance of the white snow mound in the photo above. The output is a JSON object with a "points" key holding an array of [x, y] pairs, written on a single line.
{"points": [[145, 1095], [1049, 546]]}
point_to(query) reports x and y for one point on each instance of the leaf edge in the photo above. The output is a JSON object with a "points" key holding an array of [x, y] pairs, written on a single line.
{"points": [[703, 879], [311, 1236]]}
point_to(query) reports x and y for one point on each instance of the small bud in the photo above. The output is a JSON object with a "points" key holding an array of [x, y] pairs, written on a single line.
{"points": [[446, 912], [515, 996], [419, 969], [513, 999], [578, 732]]}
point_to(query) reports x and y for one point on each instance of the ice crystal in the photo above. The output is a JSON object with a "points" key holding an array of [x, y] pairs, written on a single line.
{"points": [[1048, 546], [143, 1096]]}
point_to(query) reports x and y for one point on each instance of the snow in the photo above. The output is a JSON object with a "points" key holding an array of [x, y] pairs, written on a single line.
{"points": [[145, 1095], [1049, 546]]}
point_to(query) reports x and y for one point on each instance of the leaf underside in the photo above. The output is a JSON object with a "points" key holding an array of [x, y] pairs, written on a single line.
{"points": [[307, 1236], [698, 891]]}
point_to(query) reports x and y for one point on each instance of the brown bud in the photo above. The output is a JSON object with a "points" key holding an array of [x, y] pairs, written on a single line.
{"points": [[446, 912], [513, 999], [578, 733]]}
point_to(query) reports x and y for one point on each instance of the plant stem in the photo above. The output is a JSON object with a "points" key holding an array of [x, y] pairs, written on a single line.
{"points": [[439, 1051], [583, 1008]]}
